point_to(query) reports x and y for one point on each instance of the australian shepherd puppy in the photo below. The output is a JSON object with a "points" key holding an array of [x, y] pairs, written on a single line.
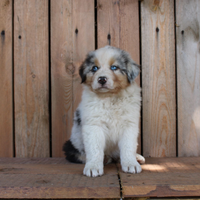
{"points": [[106, 121]]}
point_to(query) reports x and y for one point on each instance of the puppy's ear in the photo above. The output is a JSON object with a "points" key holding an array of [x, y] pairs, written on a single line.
{"points": [[132, 69], [85, 65], [82, 74]]}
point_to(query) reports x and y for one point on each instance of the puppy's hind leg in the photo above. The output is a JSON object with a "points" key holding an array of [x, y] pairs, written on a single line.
{"points": [[74, 148], [72, 154], [140, 158]]}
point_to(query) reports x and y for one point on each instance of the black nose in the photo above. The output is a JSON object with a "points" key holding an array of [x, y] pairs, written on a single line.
{"points": [[102, 80]]}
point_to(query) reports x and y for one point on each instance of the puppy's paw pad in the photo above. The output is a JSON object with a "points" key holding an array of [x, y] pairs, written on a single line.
{"points": [[134, 168], [93, 171]]}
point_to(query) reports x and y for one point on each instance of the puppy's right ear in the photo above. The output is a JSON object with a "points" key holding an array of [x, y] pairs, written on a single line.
{"points": [[81, 73], [84, 68]]}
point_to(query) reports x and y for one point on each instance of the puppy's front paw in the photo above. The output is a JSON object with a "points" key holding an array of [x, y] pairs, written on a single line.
{"points": [[93, 169], [131, 167]]}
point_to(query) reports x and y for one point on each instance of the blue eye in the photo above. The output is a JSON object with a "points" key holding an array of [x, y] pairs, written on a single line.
{"points": [[113, 67], [94, 68]]}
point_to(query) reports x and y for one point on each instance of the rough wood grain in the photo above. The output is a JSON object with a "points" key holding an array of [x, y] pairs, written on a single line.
{"points": [[54, 178], [164, 177], [118, 25], [188, 72], [6, 121], [31, 78], [158, 78], [72, 37]]}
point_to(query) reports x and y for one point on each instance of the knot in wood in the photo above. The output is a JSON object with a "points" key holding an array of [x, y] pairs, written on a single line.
{"points": [[70, 69]]}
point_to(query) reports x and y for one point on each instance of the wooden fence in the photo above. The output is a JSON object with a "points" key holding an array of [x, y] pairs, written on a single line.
{"points": [[43, 43]]}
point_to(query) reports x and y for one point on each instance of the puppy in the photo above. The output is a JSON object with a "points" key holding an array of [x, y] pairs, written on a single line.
{"points": [[106, 121]]}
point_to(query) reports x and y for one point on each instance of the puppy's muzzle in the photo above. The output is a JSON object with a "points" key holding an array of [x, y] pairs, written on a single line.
{"points": [[102, 80]]}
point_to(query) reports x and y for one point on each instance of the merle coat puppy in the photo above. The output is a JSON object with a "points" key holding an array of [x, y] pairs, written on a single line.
{"points": [[106, 121]]}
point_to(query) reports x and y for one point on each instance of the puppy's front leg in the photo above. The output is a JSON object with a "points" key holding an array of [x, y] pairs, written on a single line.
{"points": [[128, 147], [94, 143]]}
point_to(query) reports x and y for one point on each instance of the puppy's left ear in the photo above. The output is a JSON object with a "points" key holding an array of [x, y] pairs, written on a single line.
{"points": [[132, 69]]}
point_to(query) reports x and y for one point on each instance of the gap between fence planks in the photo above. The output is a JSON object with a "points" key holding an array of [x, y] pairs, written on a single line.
{"points": [[188, 71], [31, 83], [6, 110], [72, 37], [158, 78], [118, 25]]}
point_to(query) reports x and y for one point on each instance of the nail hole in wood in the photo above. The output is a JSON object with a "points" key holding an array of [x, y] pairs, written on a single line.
{"points": [[3, 32], [109, 38]]}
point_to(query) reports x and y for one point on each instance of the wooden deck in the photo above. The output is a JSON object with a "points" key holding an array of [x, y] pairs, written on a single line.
{"points": [[56, 178], [164, 177]]}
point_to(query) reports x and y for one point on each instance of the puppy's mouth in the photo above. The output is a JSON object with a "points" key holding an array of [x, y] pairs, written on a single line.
{"points": [[103, 88]]}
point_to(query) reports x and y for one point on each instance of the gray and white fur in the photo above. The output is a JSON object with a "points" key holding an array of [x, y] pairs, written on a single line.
{"points": [[106, 122]]}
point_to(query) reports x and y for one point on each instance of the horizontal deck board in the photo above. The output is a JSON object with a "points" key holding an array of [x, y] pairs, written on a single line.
{"points": [[54, 178], [164, 177]]}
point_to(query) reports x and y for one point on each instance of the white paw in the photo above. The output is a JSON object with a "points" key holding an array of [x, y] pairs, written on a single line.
{"points": [[93, 169], [131, 167], [140, 159]]}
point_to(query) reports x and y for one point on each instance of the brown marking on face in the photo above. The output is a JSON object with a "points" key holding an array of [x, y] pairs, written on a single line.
{"points": [[89, 80], [111, 61], [120, 81], [96, 62]]}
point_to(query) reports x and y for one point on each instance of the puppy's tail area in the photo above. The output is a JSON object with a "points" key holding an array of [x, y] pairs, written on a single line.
{"points": [[72, 154]]}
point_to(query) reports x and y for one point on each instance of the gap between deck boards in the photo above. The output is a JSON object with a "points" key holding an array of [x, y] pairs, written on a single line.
{"points": [[55, 178]]}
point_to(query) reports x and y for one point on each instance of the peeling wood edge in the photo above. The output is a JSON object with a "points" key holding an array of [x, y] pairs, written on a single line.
{"points": [[162, 191]]}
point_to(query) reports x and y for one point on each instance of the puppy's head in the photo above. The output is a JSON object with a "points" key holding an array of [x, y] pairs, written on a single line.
{"points": [[108, 69]]}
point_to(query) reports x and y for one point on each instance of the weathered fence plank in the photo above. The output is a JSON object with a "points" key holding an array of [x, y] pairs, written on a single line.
{"points": [[158, 78], [6, 121], [31, 78], [188, 68], [118, 25], [72, 37]]}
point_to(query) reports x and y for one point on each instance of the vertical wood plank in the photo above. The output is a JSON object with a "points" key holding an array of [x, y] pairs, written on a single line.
{"points": [[72, 37], [158, 78], [188, 74], [31, 78], [118, 25], [6, 121]]}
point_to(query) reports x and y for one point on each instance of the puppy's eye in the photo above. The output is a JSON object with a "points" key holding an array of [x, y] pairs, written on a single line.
{"points": [[94, 68], [113, 67]]}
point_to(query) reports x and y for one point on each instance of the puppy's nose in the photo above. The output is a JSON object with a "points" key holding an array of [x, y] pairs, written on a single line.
{"points": [[102, 80]]}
